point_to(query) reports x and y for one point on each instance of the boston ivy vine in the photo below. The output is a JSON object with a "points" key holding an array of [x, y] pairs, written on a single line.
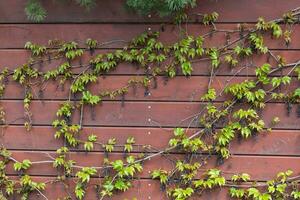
{"points": [[239, 117]]}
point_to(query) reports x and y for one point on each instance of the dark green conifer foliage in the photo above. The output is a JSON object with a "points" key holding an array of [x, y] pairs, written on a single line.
{"points": [[36, 12]]}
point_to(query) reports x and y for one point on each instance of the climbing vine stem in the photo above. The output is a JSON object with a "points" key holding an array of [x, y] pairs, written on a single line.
{"points": [[228, 113]]}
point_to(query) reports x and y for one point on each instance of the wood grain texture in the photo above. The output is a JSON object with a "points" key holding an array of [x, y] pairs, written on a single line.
{"points": [[254, 165], [189, 89], [13, 58], [121, 33], [150, 119], [142, 189], [141, 114], [278, 142], [116, 12]]}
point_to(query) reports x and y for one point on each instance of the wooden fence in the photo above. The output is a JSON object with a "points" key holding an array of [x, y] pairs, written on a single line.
{"points": [[148, 118]]}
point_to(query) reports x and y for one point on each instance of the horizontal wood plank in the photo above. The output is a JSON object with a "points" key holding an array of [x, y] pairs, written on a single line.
{"points": [[152, 114], [16, 58], [257, 166], [141, 189], [118, 34], [149, 119], [116, 12], [178, 89], [278, 142]]}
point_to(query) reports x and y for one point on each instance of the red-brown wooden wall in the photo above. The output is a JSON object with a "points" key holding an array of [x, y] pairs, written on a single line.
{"points": [[146, 118]]}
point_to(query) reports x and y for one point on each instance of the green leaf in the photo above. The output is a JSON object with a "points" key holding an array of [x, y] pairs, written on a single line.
{"points": [[253, 192], [88, 146], [117, 165], [25, 164], [178, 131], [186, 68], [295, 194], [237, 193], [79, 191]]}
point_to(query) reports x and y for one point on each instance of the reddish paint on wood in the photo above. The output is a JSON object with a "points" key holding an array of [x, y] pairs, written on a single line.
{"points": [[42, 138], [114, 11], [253, 165], [112, 32], [178, 89], [137, 114], [142, 189], [15, 58], [262, 156]]}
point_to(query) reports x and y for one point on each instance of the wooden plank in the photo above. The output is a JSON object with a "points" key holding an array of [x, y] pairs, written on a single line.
{"points": [[141, 189], [15, 58], [246, 10], [137, 114], [254, 165], [278, 142], [114, 11], [178, 89], [124, 32]]}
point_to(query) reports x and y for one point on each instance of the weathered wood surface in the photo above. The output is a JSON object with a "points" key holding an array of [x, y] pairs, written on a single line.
{"points": [[147, 118], [119, 34], [116, 12]]}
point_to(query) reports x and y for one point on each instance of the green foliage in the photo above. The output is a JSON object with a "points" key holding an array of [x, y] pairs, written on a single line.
{"points": [[24, 165], [24, 73], [187, 144], [242, 51], [162, 8], [210, 95], [160, 174], [28, 186], [295, 194], [276, 189], [89, 145], [36, 50], [83, 176], [181, 194], [276, 82], [35, 11], [240, 177], [289, 18], [61, 161], [88, 98], [71, 50], [92, 44], [80, 83], [88, 4], [217, 124], [3, 80], [231, 61], [245, 90], [262, 73], [212, 179], [65, 110], [128, 146], [214, 56], [64, 71], [210, 18], [121, 180], [257, 43], [109, 146], [236, 193]]}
